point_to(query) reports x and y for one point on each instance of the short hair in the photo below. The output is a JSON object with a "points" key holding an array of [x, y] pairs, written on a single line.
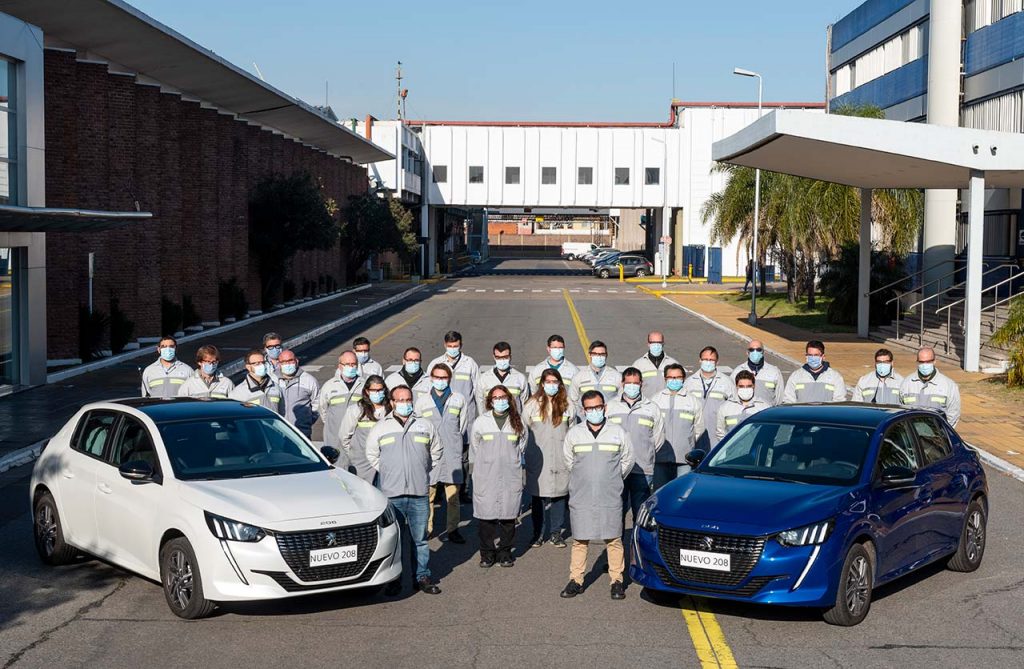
{"points": [[452, 336], [674, 366], [400, 386], [503, 346], [411, 349], [559, 338], [814, 343], [708, 349], [884, 353], [745, 375], [597, 343], [591, 394], [208, 350], [443, 367], [360, 341], [167, 338], [271, 335], [632, 371], [252, 352]]}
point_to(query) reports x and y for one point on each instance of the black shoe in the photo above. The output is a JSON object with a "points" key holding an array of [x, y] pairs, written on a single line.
{"points": [[393, 588], [571, 590], [455, 537], [618, 590], [507, 562], [486, 563], [537, 542], [465, 498], [557, 541], [427, 586]]}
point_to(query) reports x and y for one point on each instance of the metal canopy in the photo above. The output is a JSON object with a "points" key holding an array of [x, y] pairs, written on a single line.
{"points": [[117, 32], [44, 219], [875, 153]]}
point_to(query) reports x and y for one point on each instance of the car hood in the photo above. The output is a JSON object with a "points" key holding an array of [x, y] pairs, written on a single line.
{"points": [[275, 502], [761, 507]]}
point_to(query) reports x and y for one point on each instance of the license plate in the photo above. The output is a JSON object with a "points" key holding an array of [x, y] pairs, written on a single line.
{"points": [[703, 560], [323, 557]]}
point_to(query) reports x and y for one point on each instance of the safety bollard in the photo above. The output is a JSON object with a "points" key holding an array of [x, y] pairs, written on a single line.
{"points": [[622, 274]]}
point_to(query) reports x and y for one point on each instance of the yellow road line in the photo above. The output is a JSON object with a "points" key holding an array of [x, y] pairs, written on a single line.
{"points": [[708, 639], [394, 329], [581, 332]]}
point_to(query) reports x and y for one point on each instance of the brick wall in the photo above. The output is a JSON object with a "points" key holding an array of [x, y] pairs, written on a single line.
{"points": [[112, 142]]}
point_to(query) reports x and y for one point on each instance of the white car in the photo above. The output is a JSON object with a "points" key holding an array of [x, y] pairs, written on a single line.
{"points": [[217, 500]]}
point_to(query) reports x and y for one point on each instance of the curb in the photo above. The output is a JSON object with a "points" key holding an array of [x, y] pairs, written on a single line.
{"points": [[27, 454], [997, 462]]}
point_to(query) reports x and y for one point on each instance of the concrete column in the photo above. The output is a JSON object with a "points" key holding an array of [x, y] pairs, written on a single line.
{"points": [[975, 240], [864, 266], [665, 228], [944, 27]]}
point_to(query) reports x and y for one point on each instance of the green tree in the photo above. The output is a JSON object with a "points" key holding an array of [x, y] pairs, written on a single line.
{"points": [[1011, 335], [375, 224]]}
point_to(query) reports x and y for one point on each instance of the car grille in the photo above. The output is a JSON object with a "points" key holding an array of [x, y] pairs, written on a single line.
{"points": [[744, 553], [295, 548], [290, 585], [748, 589]]}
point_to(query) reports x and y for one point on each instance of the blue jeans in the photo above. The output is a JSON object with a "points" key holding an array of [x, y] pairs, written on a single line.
{"points": [[636, 488], [666, 472], [412, 514], [548, 516]]}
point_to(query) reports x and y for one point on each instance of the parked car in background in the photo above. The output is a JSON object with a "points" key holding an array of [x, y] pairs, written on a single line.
{"points": [[593, 253], [632, 265], [573, 250], [603, 255]]}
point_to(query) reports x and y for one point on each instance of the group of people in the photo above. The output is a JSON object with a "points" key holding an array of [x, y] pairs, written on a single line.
{"points": [[587, 444]]}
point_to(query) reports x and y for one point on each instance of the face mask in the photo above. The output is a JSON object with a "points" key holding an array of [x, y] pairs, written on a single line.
{"points": [[708, 366], [167, 353], [675, 385], [377, 396], [814, 361], [347, 372], [925, 368], [883, 369], [556, 353], [259, 371], [500, 405], [598, 361], [755, 357], [362, 356], [656, 349], [273, 352], [502, 364], [289, 368], [440, 385], [403, 409], [595, 416], [632, 390], [412, 366], [209, 368], [551, 389], [745, 394], [452, 351]]}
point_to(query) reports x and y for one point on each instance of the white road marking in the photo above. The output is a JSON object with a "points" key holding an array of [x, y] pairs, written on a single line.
{"points": [[536, 290], [461, 290], [593, 291], [499, 290], [518, 290], [554, 291], [611, 290], [480, 290], [574, 290]]}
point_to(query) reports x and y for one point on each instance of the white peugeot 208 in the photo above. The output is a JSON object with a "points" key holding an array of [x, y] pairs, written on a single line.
{"points": [[218, 500]]}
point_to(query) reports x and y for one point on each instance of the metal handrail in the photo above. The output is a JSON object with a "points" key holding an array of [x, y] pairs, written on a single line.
{"points": [[994, 287], [915, 274]]}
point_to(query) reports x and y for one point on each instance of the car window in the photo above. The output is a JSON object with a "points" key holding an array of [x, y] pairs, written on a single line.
{"points": [[897, 449], [94, 433], [933, 439], [133, 442]]}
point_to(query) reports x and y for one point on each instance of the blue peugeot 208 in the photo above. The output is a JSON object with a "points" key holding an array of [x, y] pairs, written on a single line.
{"points": [[814, 506]]}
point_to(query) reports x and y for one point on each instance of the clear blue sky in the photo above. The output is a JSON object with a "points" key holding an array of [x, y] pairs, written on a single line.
{"points": [[550, 60]]}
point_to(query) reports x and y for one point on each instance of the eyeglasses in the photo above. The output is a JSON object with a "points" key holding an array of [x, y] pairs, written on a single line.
{"points": [[752, 349]]}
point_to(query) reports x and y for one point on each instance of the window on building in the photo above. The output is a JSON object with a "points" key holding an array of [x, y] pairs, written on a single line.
{"points": [[652, 176], [585, 176], [511, 175], [440, 174], [621, 176], [8, 134], [476, 174], [549, 175]]}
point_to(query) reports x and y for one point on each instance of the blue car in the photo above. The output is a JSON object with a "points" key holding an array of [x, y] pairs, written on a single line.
{"points": [[814, 506]]}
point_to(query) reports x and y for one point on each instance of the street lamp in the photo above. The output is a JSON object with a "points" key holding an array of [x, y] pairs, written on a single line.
{"points": [[757, 204]]}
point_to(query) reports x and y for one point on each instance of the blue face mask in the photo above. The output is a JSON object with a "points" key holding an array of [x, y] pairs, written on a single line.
{"points": [[209, 368], [598, 361], [346, 371], [440, 385], [403, 409], [362, 356], [675, 385], [289, 368], [167, 353], [595, 416], [925, 368], [632, 390], [260, 370], [500, 405], [656, 349], [814, 361], [708, 366], [755, 357], [556, 353], [551, 389], [452, 351], [412, 366], [501, 364], [883, 369], [377, 396], [273, 352]]}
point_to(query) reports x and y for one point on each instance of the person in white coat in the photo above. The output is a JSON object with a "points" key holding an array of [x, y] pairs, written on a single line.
{"points": [[367, 365], [683, 416], [598, 375], [928, 388], [770, 383], [556, 360], [256, 387], [815, 381], [301, 393], [653, 363], [464, 374], [496, 443], [712, 388], [410, 374], [207, 382], [642, 420], [167, 374], [744, 404], [882, 384], [548, 415], [337, 394], [361, 414], [502, 373]]}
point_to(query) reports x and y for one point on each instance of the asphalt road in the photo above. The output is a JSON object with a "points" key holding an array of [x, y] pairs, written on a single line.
{"points": [[93, 614]]}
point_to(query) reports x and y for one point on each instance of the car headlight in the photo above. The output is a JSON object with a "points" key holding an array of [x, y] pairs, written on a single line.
{"points": [[645, 519], [232, 530], [809, 535], [387, 519]]}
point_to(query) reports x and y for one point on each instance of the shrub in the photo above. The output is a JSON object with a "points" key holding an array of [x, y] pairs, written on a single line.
{"points": [[121, 329], [839, 281], [189, 314], [231, 300], [170, 316], [92, 328], [1011, 335]]}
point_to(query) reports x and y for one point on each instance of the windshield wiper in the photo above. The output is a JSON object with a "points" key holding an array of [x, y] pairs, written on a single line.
{"points": [[259, 474], [774, 478]]}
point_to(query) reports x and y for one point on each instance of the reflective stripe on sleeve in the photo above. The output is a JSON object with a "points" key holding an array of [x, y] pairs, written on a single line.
{"points": [[686, 416], [421, 440], [177, 382], [582, 449], [488, 437], [156, 382], [829, 386], [800, 386], [653, 372], [609, 448], [514, 391], [609, 388], [275, 400], [731, 421], [938, 399], [455, 411], [512, 437], [646, 422], [367, 423], [616, 419], [716, 395], [338, 400], [908, 399], [218, 396], [426, 414], [386, 440], [462, 377], [769, 384]]}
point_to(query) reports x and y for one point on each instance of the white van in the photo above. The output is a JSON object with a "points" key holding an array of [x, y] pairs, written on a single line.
{"points": [[573, 250]]}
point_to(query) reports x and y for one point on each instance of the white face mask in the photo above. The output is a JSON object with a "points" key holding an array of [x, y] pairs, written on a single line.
{"points": [[745, 394]]}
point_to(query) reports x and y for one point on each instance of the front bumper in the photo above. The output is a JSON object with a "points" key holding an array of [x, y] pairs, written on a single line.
{"points": [[788, 576]]}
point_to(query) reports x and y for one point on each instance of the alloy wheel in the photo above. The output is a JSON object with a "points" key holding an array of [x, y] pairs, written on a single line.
{"points": [[975, 536], [46, 528], [178, 580], [857, 586]]}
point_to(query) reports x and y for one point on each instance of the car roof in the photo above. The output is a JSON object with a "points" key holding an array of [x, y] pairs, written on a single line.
{"points": [[853, 414], [188, 408]]}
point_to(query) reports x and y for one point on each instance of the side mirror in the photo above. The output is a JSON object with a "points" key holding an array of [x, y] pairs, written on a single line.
{"points": [[894, 476], [331, 453], [136, 470], [695, 457]]}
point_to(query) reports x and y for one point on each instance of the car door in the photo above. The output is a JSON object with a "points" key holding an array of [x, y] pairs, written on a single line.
{"points": [[901, 508], [947, 489], [127, 511], [78, 468]]}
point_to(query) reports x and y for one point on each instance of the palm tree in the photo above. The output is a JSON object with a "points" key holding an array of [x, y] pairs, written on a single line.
{"points": [[1011, 335]]}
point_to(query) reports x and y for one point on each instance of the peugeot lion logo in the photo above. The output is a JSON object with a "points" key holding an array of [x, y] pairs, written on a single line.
{"points": [[332, 539], [707, 542]]}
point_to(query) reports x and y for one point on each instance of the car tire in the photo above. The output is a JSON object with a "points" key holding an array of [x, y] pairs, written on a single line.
{"points": [[853, 596], [971, 549], [571, 256], [182, 582], [48, 533], [641, 273], [604, 274]]}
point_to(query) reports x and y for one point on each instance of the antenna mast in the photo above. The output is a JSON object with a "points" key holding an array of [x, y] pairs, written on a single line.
{"points": [[398, 76]]}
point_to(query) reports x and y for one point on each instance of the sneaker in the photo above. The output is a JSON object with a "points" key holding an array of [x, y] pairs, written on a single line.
{"points": [[618, 590], [537, 542], [507, 562], [425, 585], [393, 588], [571, 590], [486, 563], [557, 541], [455, 537]]}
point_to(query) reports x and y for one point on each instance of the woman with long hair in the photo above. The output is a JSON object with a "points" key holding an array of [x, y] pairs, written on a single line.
{"points": [[548, 414], [359, 418], [496, 443]]}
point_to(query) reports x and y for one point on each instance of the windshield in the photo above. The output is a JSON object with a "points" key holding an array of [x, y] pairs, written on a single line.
{"points": [[802, 452], [231, 448]]}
